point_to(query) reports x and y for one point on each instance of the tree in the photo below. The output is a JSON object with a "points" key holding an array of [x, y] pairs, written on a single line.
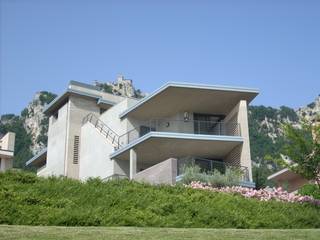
{"points": [[302, 146]]}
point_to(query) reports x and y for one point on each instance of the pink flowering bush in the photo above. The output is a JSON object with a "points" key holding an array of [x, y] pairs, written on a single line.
{"points": [[277, 194]]}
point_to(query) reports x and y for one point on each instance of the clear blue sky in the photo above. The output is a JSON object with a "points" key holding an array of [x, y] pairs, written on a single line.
{"points": [[270, 45]]}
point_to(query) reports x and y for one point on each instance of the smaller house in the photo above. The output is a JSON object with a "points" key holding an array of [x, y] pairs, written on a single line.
{"points": [[288, 179], [6, 151]]}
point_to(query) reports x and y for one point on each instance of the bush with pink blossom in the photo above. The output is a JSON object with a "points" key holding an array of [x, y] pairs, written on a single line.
{"points": [[267, 194]]}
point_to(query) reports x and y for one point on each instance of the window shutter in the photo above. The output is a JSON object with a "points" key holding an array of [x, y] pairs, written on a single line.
{"points": [[76, 150]]}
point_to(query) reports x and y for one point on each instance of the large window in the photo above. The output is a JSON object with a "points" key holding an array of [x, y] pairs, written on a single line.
{"points": [[207, 123]]}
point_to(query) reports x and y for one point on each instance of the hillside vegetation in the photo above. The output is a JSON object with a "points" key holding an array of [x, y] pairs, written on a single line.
{"points": [[29, 200]]}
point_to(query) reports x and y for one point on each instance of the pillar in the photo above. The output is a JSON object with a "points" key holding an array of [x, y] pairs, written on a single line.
{"points": [[133, 163]]}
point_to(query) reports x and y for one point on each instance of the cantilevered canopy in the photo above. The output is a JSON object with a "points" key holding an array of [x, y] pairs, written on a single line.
{"points": [[155, 147], [284, 175], [39, 159], [180, 97]]}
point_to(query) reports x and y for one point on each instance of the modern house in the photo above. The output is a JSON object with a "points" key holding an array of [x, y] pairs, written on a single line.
{"points": [[7, 151], [98, 134]]}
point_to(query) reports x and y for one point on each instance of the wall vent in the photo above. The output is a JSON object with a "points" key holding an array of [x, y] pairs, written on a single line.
{"points": [[76, 150]]}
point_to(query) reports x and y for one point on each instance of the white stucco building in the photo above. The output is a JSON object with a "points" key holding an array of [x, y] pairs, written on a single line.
{"points": [[97, 134], [7, 142]]}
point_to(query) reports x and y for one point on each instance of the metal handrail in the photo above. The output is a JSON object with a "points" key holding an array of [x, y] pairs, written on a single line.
{"points": [[103, 128], [203, 127], [215, 165]]}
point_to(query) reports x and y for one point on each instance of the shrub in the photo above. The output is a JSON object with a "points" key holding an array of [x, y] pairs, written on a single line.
{"points": [[267, 194], [310, 190], [67, 202], [230, 177]]}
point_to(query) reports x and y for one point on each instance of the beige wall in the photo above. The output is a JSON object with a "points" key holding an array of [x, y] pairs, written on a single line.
{"points": [[7, 141], [7, 151], [240, 114], [79, 107], [94, 154], [5, 164], [161, 173], [56, 148]]}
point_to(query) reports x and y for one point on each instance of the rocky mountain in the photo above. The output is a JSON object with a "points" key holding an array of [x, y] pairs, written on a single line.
{"points": [[311, 111], [35, 122], [265, 126], [121, 87]]}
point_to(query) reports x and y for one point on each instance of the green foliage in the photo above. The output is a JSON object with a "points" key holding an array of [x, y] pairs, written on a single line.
{"points": [[22, 143], [46, 97], [260, 174], [24, 113], [105, 87], [310, 190], [231, 176], [7, 117], [29, 200], [311, 105], [286, 112], [303, 148], [260, 142], [138, 94]]}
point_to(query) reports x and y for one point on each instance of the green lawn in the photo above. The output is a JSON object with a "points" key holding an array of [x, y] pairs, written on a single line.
{"points": [[120, 233]]}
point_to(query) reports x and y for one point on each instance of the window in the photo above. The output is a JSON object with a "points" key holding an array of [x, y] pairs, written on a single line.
{"points": [[76, 150], [206, 123]]}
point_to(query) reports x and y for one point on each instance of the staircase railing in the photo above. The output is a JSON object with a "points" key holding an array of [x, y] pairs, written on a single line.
{"points": [[103, 128]]}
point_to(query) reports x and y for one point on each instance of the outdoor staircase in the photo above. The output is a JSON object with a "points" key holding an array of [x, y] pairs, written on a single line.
{"points": [[104, 130]]}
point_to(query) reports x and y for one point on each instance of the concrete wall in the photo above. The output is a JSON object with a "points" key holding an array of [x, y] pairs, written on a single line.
{"points": [[94, 154], [161, 173], [240, 114], [121, 167], [7, 151], [57, 137], [112, 120], [79, 107], [5, 164], [7, 141]]}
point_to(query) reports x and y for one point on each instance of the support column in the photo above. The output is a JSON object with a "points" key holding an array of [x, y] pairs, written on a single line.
{"points": [[133, 163]]}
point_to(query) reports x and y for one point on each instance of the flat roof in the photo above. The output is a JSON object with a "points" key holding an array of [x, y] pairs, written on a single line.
{"points": [[188, 93], [38, 158], [58, 101]]}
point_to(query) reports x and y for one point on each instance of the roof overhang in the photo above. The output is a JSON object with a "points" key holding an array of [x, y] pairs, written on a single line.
{"points": [[284, 175], [39, 159], [155, 147], [62, 99], [6, 153], [179, 97]]}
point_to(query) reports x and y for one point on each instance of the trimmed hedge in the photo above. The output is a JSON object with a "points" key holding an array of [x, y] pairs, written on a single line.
{"points": [[310, 190], [30, 200]]}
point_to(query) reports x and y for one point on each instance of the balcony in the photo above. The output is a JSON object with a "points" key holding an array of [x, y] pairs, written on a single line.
{"points": [[209, 166], [196, 127]]}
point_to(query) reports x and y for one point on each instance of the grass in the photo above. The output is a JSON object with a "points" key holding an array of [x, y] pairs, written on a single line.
{"points": [[121, 233], [29, 200]]}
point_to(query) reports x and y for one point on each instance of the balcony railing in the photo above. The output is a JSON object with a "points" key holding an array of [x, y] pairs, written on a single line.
{"points": [[181, 126], [209, 166]]}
